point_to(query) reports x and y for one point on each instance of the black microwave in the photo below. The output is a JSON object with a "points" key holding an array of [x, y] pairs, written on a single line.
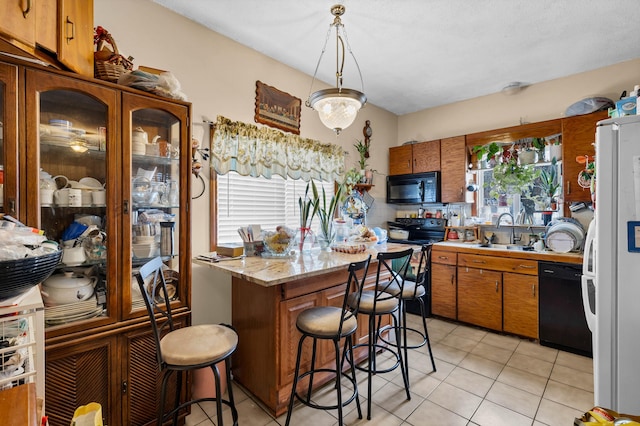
{"points": [[415, 188]]}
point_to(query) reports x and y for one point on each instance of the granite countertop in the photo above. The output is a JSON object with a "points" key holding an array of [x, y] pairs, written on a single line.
{"points": [[502, 251], [274, 271]]}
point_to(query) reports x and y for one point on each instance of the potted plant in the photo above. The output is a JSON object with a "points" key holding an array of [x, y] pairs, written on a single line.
{"points": [[486, 154], [511, 178], [363, 150], [351, 178], [549, 184], [326, 213], [526, 154], [538, 144], [555, 147]]}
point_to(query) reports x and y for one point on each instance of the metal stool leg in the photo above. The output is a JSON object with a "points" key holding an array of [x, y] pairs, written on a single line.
{"points": [[295, 381], [426, 333]]}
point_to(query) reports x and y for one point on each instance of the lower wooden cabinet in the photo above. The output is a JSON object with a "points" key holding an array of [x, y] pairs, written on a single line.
{"points": [[480, 297], [119, 371], [443, 290], [78, 374], [520, 304], [499, 293]]}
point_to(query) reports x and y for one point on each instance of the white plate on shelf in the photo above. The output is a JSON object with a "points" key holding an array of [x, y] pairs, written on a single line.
{"points": [[90, 183]]}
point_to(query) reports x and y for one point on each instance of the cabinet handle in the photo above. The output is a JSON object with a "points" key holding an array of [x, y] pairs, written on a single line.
{"points": [[452, 277], [533, 290], [497, 285], [479, 261], [125, 206], [526, 266], [73, 30], [125, 387], [27, 10], [443, 257], [568, 187], [12, 205]]}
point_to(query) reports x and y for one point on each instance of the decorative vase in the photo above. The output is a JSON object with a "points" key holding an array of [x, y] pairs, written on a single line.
{"points": [[305, 239], [324, 242]]}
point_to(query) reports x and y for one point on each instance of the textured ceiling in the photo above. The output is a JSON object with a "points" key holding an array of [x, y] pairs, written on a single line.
{"points": [[417, 54]]}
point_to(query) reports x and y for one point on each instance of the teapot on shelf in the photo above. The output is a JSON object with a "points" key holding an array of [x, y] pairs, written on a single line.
{"points": [[139, 141]]}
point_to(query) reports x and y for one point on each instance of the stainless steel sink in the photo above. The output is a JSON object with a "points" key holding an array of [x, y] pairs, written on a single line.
{"points": [[507, 247]]}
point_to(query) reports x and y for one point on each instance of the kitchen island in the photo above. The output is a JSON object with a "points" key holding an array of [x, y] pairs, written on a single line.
{"points": [[267, 295]]}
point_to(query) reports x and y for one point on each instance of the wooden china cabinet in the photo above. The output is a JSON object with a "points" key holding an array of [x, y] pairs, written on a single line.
{"points": [[57, 123]]}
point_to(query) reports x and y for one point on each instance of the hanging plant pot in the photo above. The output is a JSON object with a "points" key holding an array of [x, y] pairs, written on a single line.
{"points": [[527, 157], [555, 151]]}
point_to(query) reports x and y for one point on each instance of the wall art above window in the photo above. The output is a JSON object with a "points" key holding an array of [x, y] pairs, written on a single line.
{"points": [[277, 109]]}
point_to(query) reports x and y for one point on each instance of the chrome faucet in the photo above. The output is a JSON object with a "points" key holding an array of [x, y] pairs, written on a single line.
{"points": [[513, 228]]}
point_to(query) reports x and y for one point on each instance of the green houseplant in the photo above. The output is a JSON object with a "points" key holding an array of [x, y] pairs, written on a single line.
{"points": [[549, 183], [539, 144], [511, 178], [363, 150], [485, 153]]}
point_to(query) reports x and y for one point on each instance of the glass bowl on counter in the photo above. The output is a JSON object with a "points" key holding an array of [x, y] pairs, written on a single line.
{"points": [[278, 243]]}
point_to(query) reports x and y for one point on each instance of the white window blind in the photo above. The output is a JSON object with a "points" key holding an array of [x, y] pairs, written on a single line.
{"points": [[246, 200]]}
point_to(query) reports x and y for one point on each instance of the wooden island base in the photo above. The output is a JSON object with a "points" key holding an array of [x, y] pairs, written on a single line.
{"points": [[265, 320]]}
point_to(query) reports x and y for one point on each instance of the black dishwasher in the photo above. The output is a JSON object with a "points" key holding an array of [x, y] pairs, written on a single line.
{"points": [[561, 314]]}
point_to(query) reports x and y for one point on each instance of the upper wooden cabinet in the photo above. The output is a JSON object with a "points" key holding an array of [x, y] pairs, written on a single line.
{"points": [[415, 158], [18, 22], [578, 137], [59, 32], [453, 168], [75, 35]]}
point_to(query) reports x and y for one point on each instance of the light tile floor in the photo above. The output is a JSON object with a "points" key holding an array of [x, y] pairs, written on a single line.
{"points": [[482, 378]]}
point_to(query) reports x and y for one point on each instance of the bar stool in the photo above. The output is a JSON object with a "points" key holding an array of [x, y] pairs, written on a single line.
{"points": [[376, 303], [413, 290], [186, 348], [331, 323]]}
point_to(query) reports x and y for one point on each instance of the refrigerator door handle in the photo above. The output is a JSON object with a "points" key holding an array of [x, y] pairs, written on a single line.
{"points": [[588, 313], [589, 259]]}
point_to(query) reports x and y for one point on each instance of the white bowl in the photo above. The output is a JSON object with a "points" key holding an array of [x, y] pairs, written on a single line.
{"points": [[145, 252]]}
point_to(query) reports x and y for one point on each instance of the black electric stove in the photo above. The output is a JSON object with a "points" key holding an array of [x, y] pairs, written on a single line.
{"points": [[421, 231]]}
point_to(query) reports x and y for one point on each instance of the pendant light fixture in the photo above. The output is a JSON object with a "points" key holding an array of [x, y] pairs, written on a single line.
{"points": [[337, 107]]}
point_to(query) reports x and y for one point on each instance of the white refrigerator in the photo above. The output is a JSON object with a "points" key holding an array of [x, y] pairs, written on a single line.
{"points": [[612, 266]]}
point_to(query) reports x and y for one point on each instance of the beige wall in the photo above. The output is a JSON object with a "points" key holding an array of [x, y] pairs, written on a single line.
{"points": [[539, 102]]}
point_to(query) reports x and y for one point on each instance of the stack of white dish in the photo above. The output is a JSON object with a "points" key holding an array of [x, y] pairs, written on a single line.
{"points": [[145, 246]]}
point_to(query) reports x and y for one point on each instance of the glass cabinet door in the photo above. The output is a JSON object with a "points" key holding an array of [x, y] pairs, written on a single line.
{"points": [[72, 194], [155, 134], [8, 138]]}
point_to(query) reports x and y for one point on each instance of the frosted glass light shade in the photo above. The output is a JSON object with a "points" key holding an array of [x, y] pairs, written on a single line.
{"points": [[337, 108]]}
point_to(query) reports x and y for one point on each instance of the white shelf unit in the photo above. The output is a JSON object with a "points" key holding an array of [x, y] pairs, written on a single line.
{"points": [[22, 325]]}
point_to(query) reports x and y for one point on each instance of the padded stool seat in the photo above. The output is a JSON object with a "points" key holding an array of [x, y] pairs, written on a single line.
{"points": [[324, 322], [198, 344]]}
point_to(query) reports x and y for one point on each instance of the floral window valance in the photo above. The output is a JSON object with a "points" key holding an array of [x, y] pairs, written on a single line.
{"points": [[261, 151]]}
